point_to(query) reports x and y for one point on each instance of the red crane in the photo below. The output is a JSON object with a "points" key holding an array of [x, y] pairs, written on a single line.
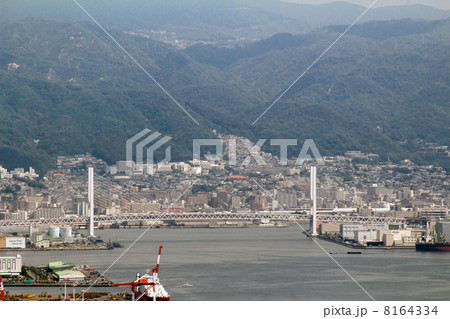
{"points": [[2, 290], [151, 280]]}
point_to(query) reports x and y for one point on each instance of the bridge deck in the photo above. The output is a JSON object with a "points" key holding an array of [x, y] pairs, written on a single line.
{"points": [[274, 216]]}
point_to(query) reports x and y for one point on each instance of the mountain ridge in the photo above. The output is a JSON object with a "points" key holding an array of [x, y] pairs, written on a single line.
{"points": [[212, 20]]}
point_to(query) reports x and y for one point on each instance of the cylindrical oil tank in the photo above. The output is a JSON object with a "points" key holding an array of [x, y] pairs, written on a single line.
{"points": [[53, 231], [66, 232]]}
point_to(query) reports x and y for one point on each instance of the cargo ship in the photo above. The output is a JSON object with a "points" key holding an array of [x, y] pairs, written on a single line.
{"points": [[432, 246], [148, 287], [429, 243]]}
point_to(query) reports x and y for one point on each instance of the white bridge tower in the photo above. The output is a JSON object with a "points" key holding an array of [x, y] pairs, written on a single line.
{"points": [[91, 200], [313, 201]]}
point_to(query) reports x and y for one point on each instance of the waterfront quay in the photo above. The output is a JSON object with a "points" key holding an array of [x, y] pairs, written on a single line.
{"points": [[232, 264], [55, 274]]}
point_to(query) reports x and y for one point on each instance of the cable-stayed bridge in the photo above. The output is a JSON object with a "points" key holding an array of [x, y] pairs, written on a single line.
{"points": [[106, 191]]}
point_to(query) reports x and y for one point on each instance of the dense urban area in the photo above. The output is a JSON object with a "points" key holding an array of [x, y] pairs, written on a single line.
{"points": [[354, 184]]}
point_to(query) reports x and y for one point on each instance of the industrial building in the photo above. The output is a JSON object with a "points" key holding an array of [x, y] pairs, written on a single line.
{"points": [[377, 234], [69, 275], [10, 266], [347, 231], [329, 228], [12, 242]]}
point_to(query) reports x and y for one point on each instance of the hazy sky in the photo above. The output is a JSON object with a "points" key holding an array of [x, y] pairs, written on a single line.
{"points": [[441, 4]]}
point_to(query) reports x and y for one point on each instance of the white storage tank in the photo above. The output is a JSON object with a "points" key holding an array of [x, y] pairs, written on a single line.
{"points": [[54, 231], [66, 232]]}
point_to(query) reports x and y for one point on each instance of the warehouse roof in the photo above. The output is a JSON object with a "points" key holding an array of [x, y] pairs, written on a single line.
{"points": [[60, 264], [69, 275]]}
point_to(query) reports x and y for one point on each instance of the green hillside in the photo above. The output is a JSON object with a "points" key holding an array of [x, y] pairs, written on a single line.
{"points": [[76, 92], [66, 88], [393, 74]]}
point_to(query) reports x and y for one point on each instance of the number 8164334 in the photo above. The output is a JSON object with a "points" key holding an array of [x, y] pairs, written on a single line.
{"points": [[410, 311]]}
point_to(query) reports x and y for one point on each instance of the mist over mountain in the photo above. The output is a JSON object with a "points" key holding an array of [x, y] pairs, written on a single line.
{"points": [[222, 22], [66, 88]]}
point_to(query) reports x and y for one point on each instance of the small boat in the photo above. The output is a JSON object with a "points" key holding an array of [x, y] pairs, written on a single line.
{"points": [[148, 287], [186, 285]]}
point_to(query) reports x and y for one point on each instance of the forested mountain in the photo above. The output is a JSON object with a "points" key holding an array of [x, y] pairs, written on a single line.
{"points": [[394, 75], [66, 88]]}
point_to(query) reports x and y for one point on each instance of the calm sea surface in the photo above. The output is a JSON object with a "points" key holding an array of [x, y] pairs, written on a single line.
{"points": [[259, 264]]}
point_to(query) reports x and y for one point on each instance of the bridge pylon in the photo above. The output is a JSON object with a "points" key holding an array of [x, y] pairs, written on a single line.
{"points": [[313, 197], [91, 200]]}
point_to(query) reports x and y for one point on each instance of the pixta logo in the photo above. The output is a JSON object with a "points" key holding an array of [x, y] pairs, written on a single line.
{"points": [[149, 142], [254, 151], [146, 143]]}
